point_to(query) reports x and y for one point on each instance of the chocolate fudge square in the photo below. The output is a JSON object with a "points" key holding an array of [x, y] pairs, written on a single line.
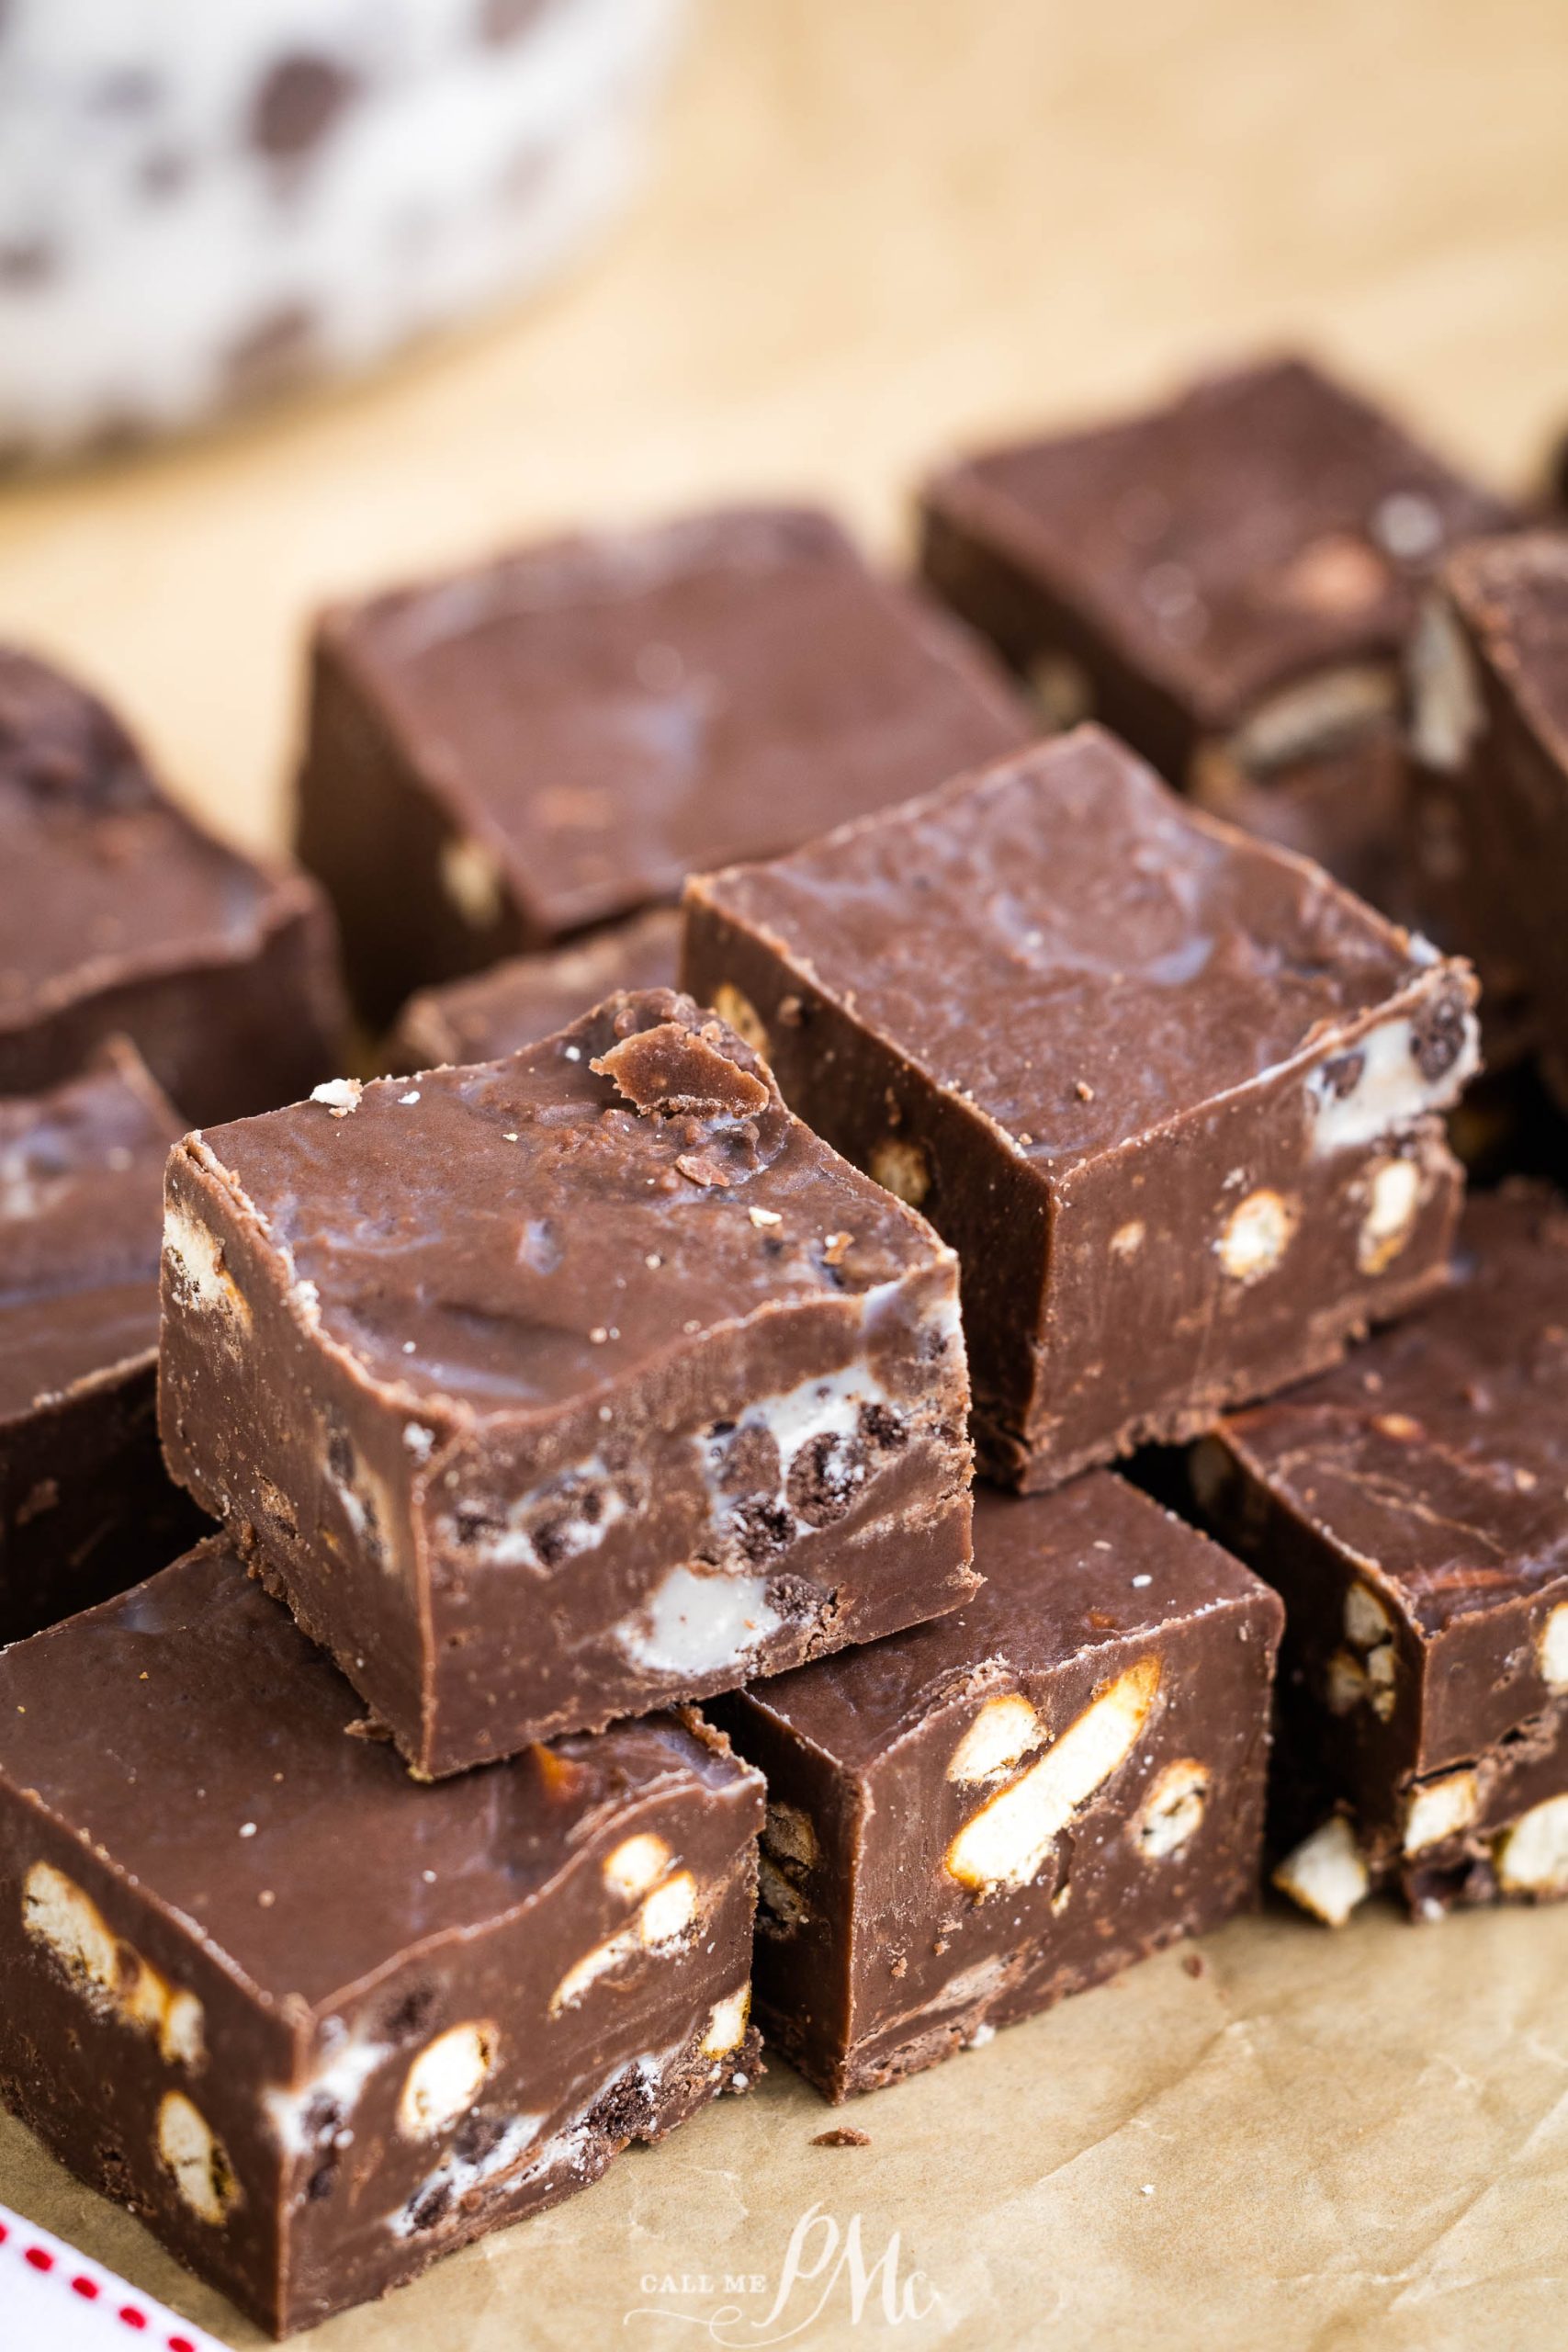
{"points": [[530, 997], [119, 915], [318, 2025], [85, 1506], [1169, 1092], [970, 1820], [1490, 722], [1411, 1508], [1226, 579], [566, 1385], [554, 740]]}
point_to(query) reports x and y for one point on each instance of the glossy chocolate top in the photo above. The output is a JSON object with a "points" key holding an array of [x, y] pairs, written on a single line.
{"points": [[530, 997], [608, 714], [1266, 523], [1514, 593], [80, 1193], [101, 876], [1440, 1450], [1072, 946], [221, 1776], [503, 1238], [1086, 1566]]}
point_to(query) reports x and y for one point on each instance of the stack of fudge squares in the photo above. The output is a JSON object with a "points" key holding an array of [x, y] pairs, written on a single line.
{"points": [[849, 1034]]}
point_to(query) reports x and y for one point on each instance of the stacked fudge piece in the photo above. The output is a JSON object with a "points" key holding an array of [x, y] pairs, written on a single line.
{"points": [[1171, 1094], [318, 2025], [1412, 1507], [970, 1820]]}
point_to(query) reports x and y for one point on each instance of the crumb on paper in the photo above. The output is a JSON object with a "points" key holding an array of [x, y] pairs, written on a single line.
{"points": [[842, 2135]]}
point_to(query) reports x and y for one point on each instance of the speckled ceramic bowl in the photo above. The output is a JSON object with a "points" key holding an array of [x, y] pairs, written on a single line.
{"points": [[202, 200]]}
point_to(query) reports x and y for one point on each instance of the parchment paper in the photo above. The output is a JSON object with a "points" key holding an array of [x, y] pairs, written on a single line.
{"points": [[1323, 2141]]}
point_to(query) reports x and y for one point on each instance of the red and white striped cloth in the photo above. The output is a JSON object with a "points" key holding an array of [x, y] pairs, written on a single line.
{"points": [[54, 2300]]}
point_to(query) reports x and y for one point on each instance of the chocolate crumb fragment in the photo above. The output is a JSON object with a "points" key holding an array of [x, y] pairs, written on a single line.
{"points": [[673, 1072], [843, 2135]]}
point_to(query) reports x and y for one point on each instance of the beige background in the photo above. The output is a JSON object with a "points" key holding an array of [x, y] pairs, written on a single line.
{"points": [[880, 226]]}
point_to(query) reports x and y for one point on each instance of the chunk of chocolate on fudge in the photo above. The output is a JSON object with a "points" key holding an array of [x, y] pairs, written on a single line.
{"points": [[1490, 688], [566, 1385], [85, 1506], [1227, 579], [319, 2025], [970, 1820], [554, 740], [1170, 1093], [1411, 1508], [120, 915], [530, 997]]}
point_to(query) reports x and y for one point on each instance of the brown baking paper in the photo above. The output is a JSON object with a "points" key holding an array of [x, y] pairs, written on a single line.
{"points": [[1321, 2141]]}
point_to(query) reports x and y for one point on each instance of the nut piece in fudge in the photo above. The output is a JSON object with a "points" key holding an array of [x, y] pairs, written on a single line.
{"points": [[1489, 666], [85, 1506], [118, 914], [552, 741], [1227, 580], [1410, 1508], [566, 1385], [1169, 1092], [530, 997], [970, 1820], [317, 2024]]}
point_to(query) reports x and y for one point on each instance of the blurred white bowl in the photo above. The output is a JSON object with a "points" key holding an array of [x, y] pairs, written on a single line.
{"points": [[205, 200]]}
